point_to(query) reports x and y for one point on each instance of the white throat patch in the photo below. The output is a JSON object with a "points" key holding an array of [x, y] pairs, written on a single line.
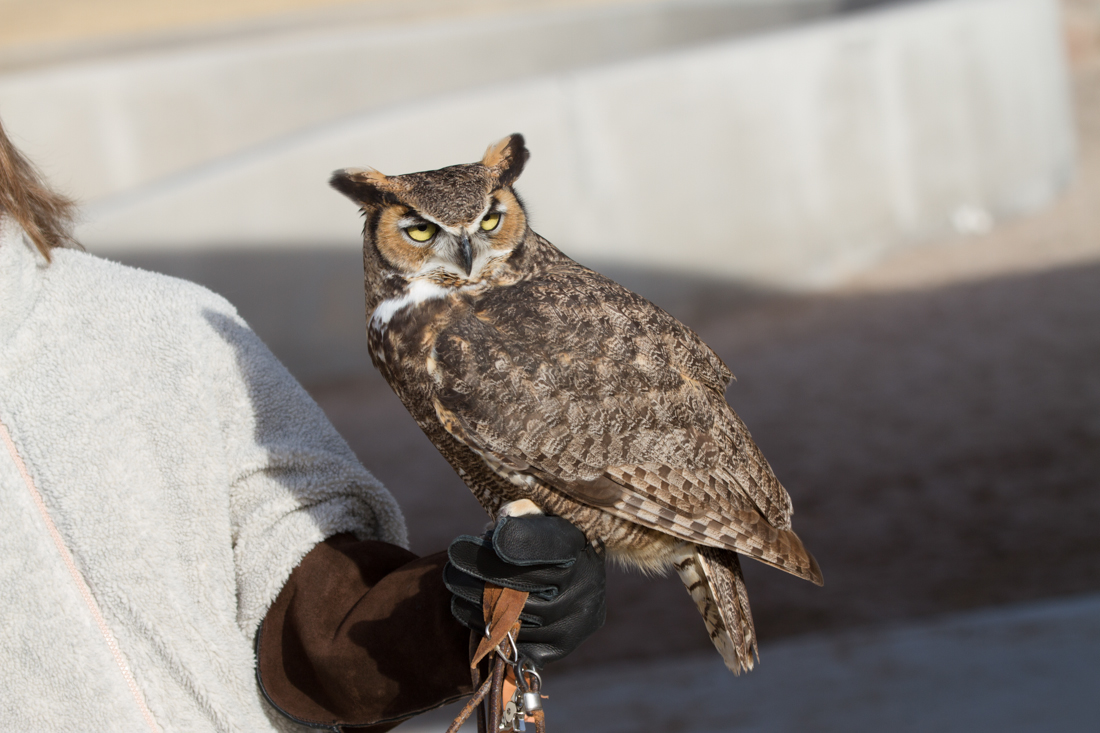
{"points": [[419, 291]]}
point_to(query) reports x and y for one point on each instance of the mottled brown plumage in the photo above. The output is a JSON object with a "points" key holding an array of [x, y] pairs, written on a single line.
{"points": [[540, 379]]}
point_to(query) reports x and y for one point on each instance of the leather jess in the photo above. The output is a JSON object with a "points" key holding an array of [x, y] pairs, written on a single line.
{"points": [[544, 556]]}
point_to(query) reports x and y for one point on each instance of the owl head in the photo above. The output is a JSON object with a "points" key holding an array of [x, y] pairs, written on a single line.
{"points": [[450, 226]]}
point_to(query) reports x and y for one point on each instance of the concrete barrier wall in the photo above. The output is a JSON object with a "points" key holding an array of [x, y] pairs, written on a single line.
{"points": [[785, 159], [789, 159], [113, 123]]}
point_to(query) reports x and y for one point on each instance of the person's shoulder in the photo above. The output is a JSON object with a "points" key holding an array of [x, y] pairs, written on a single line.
{"points": [[111, 286]]}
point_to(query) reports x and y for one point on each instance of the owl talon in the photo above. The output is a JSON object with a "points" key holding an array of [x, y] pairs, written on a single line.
{"points": [[521, 508]]}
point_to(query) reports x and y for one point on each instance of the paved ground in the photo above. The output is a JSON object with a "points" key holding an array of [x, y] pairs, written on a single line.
{"points": [[1025, 669], [937, 423]]}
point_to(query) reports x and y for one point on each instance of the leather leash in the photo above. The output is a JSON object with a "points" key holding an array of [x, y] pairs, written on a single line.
{"points": [[501, 608]]}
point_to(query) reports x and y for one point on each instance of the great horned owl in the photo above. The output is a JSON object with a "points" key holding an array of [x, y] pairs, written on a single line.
{"points": [[541, 380]]}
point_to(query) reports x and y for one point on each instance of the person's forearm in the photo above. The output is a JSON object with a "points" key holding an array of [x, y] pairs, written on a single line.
{"points": [[362, 634]]}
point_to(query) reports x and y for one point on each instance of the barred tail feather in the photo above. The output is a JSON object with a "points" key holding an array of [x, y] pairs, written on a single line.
{"points": [[713, 578]]}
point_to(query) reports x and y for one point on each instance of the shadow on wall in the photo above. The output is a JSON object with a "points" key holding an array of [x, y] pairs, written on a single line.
{"points": [[942, 447], [307, 304]]}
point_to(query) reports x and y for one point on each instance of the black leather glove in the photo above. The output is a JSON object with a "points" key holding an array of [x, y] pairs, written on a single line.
{"points": [[547, 557]]}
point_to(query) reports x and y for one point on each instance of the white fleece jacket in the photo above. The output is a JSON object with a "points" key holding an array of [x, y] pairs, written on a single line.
{"points": [[161, 474]]}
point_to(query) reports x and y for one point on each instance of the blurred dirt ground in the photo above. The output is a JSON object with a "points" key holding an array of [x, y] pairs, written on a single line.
{"points": [[936, 421]]}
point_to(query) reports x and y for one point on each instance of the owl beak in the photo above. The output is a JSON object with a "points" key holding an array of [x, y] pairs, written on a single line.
{"points": [[466, 252]]}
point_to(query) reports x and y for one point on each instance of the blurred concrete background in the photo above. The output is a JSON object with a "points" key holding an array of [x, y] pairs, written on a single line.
{"points": [[791, 143], [884, 216]]}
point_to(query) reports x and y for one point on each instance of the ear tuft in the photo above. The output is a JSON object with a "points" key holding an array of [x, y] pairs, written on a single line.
{"points": [[506, 158], [362, 185]]}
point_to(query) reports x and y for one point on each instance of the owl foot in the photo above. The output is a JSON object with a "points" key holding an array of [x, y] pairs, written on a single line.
{"points": [[521, 508]]}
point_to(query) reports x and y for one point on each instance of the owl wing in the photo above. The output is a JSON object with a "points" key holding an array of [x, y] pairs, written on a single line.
{"points": [[595, 391]]}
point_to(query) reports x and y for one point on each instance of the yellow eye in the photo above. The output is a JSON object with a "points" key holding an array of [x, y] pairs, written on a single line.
{"points": [[491, 222], [421, 232]]}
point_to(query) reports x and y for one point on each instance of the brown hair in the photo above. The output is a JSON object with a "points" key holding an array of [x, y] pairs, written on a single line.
{"points": [[45, 216]]}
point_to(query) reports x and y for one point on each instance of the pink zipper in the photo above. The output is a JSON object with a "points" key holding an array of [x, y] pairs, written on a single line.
{"points": [[81, 584]]}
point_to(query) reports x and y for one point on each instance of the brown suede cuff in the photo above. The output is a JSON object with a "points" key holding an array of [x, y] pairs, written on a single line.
{"points": [[362, 635]]}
